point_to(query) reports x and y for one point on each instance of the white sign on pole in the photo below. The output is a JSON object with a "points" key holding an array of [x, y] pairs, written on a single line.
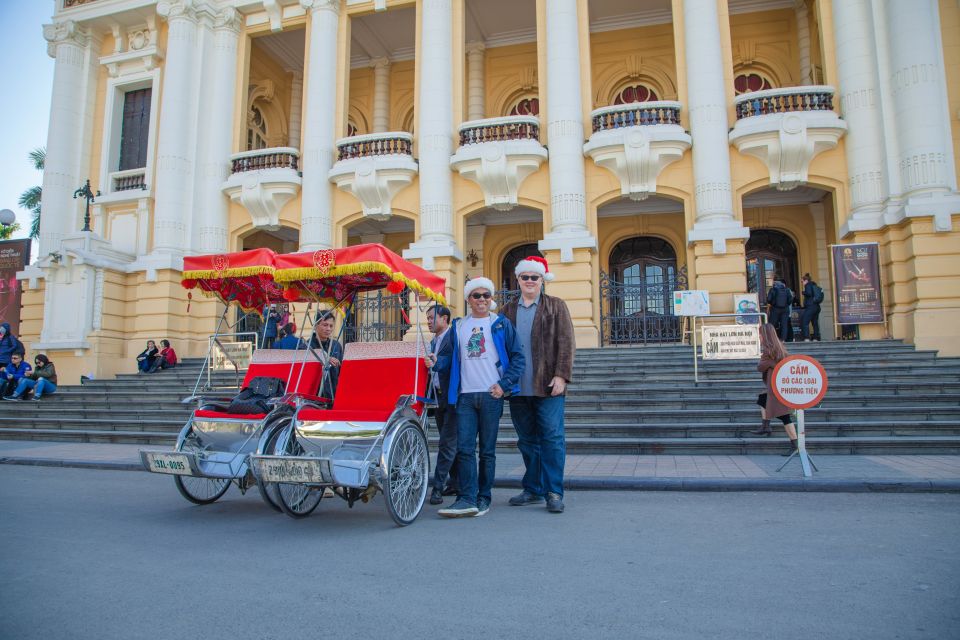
{"points": [[799, 382], [239, 352], [691, 303], [731, 342]]}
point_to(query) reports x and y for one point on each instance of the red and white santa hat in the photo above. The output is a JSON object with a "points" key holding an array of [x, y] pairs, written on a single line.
{"points": [[480, 283], [534, 264]]}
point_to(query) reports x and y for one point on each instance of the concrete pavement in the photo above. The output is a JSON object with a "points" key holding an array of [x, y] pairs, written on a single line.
{"points": [[853, 473]]}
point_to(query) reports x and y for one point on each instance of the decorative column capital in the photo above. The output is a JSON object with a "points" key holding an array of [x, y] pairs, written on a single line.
{"points": [[177, 9], [321, 5], [475, 47], [66, 32], [380, 63], [228, 19]]}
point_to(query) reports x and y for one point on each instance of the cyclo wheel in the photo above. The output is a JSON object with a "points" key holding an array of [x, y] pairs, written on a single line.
{"points": [[268, 490], [297, 500], [199, 489], [406, 475]]}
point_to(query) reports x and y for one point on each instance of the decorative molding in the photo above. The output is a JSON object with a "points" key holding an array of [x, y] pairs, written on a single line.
{"points": [[264, 192], [321, 5], [374, 181], [228, 19], [66, 32], [637, 154], [499, 167]]}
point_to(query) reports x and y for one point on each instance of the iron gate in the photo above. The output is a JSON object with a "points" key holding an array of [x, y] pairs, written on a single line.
{"points": [[640, 313], [378, 316]]}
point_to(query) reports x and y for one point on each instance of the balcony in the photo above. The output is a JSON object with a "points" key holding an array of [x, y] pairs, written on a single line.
{"points": [[498, 154], [263, 181], [374, 168], [635, 142], [785, 129]]}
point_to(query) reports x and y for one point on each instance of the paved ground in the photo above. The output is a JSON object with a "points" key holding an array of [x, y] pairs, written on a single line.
{"points": [[107, 554], [665, 472]]}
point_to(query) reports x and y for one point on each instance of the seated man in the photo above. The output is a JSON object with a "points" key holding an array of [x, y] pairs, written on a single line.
{"points": [[11, 375], [290, 340], [321, 339]]}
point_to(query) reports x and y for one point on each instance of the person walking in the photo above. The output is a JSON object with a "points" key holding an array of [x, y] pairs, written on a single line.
{"points": [[445, 415], [812, 298], [485, 365], [546, 336], [779, 299], [772, 352]]}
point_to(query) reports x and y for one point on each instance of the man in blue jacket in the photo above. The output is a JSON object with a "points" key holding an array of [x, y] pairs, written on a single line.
{"points": [[9, 345], [485, 365], [12, 374]]}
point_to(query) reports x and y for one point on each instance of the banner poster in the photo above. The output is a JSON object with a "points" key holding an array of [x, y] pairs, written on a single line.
{"points": [[731, 342], [747, 308], [14, 256], [856, 270]]}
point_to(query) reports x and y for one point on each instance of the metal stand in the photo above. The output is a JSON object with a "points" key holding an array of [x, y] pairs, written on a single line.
{"points": [[805, 460]]}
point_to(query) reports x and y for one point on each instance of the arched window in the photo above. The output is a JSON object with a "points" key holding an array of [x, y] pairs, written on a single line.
{"points": [[635, 93], [526, 107], [770, 254], [508, 279], [748, 82], [256, 129]]}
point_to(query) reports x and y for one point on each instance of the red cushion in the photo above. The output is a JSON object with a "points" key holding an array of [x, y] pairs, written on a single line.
{"points": [[205, 413], [309, 382], [376, 384], [354, 415]]}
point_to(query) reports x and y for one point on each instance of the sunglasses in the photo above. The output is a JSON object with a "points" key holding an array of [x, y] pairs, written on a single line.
{"points": [[526, 278], [481, 296]]}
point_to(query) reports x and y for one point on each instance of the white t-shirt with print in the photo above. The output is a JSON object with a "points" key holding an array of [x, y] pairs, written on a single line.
{"points": [[478, 355]]}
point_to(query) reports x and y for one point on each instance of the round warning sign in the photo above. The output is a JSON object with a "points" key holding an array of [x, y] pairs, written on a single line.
{"points": [[799, 382]]}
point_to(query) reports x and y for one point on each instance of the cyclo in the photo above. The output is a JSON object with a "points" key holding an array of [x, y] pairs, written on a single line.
{"points": [[371, 438]]}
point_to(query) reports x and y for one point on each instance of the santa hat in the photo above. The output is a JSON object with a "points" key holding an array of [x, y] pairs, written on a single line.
{"points": [[534, 264], [480, 283]]}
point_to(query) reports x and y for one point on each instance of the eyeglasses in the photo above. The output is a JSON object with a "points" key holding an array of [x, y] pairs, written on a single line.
{"points": [[481, 296], [527, 278]]}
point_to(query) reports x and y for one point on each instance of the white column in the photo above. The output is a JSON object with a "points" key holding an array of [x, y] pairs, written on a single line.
{"points": [[296, 108], [803, 41], [69, 45], [708, 127], [319, 130], [476, 107], [920, 109], [860, 106], [568, 230], [216, 126], [176, 151], [381, 94], [435, 134]]}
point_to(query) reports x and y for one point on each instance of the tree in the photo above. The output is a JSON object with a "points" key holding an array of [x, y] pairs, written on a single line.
{"points": [[30, 199]]}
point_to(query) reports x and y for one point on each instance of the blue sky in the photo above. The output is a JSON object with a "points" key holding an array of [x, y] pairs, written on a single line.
{"points": [[25, 106]]}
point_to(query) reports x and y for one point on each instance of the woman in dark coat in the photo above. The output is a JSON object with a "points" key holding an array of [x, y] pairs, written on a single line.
{"points": [[772, 352], [145, 358]]}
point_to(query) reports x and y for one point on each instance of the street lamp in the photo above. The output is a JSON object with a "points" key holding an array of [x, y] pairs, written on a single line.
{"points": [[88, 195], [7, 217]]}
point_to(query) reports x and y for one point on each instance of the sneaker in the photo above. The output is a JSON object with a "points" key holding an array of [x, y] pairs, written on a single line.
{"points": [[554, 503], [483, 505], [459, 509], [436, 497], [36, 397], [525, 497], [12, 398]]}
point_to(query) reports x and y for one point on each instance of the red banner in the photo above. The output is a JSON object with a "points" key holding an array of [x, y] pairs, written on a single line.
{"points": [[856, 272], [14, 256]]}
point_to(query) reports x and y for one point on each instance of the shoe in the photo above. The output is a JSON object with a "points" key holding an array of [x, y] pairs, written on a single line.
{"points": [[436, 497], [450, 491], [765, 430], [11, 398], [459, 509], [525, 497], [483, 505], [37, 397], [554, 503]]}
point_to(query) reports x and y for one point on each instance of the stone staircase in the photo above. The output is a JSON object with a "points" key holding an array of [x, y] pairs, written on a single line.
{"points": [[884, 397]]}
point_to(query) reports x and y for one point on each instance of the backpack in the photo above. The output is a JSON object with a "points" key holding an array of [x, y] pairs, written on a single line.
{"points": [[779, 297], [253, 398], [817, 294]]}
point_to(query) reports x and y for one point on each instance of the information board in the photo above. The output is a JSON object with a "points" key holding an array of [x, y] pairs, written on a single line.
{"points": [[731, 342], [691, 303], [239, 352]]}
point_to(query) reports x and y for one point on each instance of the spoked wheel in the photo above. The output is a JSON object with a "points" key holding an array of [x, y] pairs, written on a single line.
{"points": [[297, 500], [268, 490], [199, 489], [408, 468]]}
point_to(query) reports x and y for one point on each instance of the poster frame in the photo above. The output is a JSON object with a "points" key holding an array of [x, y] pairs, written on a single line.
{"points": [[836, 291]]}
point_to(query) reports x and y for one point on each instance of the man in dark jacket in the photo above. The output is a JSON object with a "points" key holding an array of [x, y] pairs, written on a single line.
{"points": [[9, 345], [445, 415], [322, 338], [812, 297], [779, 299], [546, 335]]}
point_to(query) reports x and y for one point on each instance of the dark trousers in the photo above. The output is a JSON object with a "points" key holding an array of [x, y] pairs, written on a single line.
{"points": [[446, 418], [780, 319], [810, 315]]}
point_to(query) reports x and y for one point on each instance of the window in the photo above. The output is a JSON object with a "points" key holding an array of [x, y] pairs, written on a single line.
{"points": [[750, 82], [256, 130], [526, 107], [135, 129], [636, 93]]}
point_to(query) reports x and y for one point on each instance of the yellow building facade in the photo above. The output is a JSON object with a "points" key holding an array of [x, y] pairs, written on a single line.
{"points": [[640, 146]]}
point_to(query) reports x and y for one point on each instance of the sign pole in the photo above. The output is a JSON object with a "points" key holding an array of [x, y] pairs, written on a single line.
{"points": [[799, 382]]}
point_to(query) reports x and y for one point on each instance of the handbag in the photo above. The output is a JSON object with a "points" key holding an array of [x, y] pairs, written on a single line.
{"points": [[762, 399]]}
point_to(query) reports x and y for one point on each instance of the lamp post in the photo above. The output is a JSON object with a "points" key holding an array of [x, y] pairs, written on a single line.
{"points": [[7, 217], [88, 195]]}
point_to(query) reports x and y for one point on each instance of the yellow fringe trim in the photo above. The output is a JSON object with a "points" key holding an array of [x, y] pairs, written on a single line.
{"points": [[239, 272], [313, 273]]}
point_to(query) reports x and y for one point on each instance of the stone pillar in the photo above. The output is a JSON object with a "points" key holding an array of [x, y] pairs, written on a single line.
{"points": [[803, 40], [476, 107], [176, 151], [822, 273], [381, 95], [216, 127], [319, 137], [860, 106], [435, 135], [707, 107], [920, 108], [296, 108], [568, 229], [71, 47]]}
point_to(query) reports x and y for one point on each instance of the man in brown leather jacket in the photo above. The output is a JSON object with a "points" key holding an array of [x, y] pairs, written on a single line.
{"points": [[545, 331]]}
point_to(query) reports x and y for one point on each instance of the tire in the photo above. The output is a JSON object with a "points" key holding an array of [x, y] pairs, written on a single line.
{"points": [[406, 475], [297, 500], [199, 489], [268, 490]]}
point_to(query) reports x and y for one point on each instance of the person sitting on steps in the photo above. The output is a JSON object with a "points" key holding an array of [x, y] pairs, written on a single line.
{"points": [[166, 359], [145, 357], [13, 373], [42, 380]]}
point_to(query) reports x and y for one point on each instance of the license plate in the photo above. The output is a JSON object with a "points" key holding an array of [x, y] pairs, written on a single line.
{"points": [[175, 463], [300, 470]]}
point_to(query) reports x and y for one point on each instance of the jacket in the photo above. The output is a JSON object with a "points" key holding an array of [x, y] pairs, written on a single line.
{"points": [[509, 367], [169, 355], [809, 293], [291, 342], [147, 353], [270, 328], [9, 345], [773, 293], [444, 353], [774, 408], [333, 373], [47, 371], [552, 343], [17, 372]]}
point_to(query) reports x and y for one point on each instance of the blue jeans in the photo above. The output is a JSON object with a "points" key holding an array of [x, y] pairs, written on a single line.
{"points": [[478, 415], [144, 365], [39, 387], [542, 442]]}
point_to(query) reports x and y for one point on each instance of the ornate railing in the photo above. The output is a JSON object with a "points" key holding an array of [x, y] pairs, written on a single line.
{"points": [[259, 159], [503, 296], [499, 129], [128, 180], [640, 313], [758, 103], [635, 114], [73, 3], [375, 144], [377, 316]]}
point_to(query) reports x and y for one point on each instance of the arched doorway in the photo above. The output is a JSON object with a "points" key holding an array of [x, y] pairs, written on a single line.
{"points": [[636, 297], [508, 279], [770, 254]]}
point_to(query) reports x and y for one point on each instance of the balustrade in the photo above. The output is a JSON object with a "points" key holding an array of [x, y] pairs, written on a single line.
{"points": [[636, 114], [276, 158], [500, 129], [789, 99], [126, 181], [377, 144]]}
